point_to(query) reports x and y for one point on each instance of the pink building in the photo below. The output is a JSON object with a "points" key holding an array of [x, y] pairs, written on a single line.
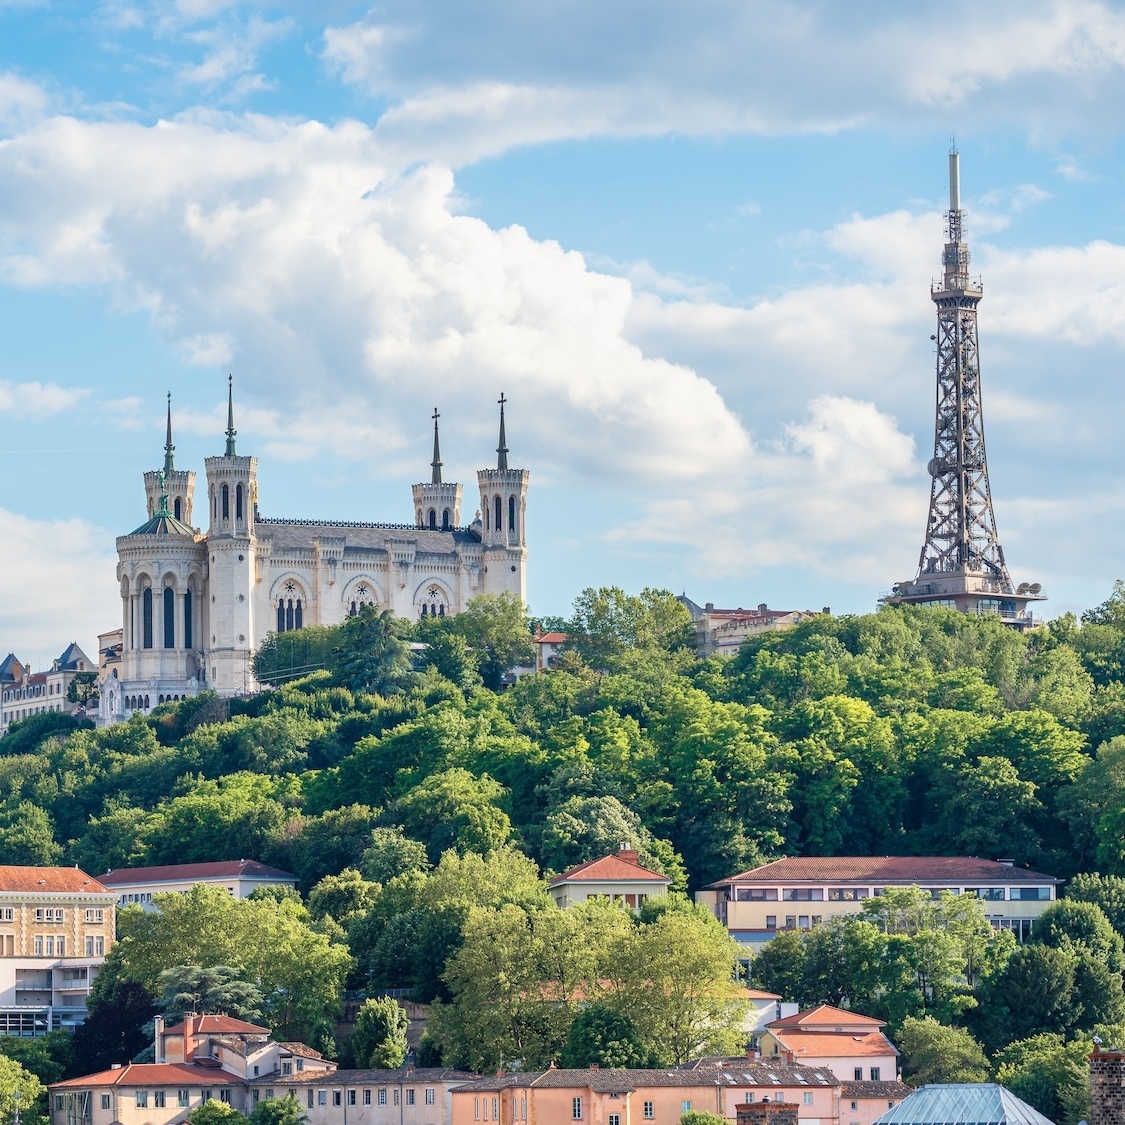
{"points": [[851, 1045]]}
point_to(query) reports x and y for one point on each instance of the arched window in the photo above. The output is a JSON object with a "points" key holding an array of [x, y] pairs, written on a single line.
{"points": [[445, 520], [169, 617], [238, 502], [433, 603], [289, 614], [147, 704], [281, 617], [433, 518], [499, 514], [486, 517], [298, 616], [177, 511], [146, 617], [425, 610], [226, 502], [352, 611], [188, 635], [511, 515]]}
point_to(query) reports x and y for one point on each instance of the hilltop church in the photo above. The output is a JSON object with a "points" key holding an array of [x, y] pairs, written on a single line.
{"points": [[196, 605]]}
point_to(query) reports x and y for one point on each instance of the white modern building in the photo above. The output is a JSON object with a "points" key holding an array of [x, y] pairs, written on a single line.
{"points": [[239, 877]]}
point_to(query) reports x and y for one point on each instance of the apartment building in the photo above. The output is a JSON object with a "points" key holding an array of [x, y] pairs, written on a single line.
{"points": [[800, 892], [631, 1097], [239, 877], [56, 926], [24, 693]]}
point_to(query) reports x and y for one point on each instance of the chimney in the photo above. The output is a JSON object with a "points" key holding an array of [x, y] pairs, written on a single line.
{"points": [[158, 1039], [593, 1066], [1107, 1087], [626, 852], [709, 607], [114, 1066], [762, 607]]}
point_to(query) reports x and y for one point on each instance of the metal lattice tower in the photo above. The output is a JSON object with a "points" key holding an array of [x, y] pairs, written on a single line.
{"points": [[961, 529], [962, 563]]}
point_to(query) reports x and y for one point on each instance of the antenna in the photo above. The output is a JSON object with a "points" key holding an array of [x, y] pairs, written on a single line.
{"points": [[954, 181]]}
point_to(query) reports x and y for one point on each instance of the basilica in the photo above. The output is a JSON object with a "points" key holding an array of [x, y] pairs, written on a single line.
{"points": [[196, 605]]}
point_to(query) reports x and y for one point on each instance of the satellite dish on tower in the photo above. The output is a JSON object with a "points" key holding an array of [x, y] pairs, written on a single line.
{"points": [[1035, 587]]}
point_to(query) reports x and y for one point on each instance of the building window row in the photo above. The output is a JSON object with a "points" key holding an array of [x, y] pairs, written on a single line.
{"points": [[33, 691], [857, 894], [50, 945]]}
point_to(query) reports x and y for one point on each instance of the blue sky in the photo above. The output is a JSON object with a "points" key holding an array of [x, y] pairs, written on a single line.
{"points": [[692, 243]]}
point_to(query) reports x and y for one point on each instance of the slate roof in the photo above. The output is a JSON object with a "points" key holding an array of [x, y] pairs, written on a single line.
{"points": [[703, 1072], [224, 869], [153, 1074], [49, 880], [881, 1091], [71, 658], [7, 665], [288, 535], [963, 1104], [878, 870], [420, 1075], [609, 869]]}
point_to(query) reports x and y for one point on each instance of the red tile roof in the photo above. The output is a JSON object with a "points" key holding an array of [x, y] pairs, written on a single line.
{"points": [[48, 880], [877, 870], [225, 869], [832, 1044], [219, 1025], [758, 994], [153, 1074], [551, 639], [609, 869], [825, 1017]]}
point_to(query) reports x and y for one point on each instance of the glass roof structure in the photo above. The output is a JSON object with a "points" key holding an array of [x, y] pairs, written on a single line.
{"points": [[963, 1104]]}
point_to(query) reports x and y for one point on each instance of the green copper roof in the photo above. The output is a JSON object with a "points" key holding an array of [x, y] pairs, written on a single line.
{"points": [[164, 523]]}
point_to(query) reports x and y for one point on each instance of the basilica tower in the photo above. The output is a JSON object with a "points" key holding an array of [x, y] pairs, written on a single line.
{"points": [[179, 483], [437, 505], [503, 505], [232, 498]]}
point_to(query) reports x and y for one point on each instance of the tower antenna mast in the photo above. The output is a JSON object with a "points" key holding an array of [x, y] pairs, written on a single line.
{"points": [[962, 563]]}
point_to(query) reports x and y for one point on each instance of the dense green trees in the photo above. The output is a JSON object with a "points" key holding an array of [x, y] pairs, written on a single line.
{"points": [[417, 807], [379, 1037]]}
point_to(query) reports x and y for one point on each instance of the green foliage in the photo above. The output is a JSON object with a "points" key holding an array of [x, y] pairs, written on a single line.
{"points": [[1106, 891], [495, 628], [379, 1037], [217, 988], [49, 1057], [295, 653], [1048, 1073], [15, 1079], [390, 853], [213, 1112], [278, 1111], [454, 809], [82, 688], [607, 623], [702, 1117], [27, 836], [270, 943], [370, 653], [932, 1052], [603, 1036], [112, 1032]]}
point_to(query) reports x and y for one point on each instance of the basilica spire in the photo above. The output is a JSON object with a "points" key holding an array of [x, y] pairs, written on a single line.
{"points": [[231, 431], [502, 448], [435, 464], [169, 448]]}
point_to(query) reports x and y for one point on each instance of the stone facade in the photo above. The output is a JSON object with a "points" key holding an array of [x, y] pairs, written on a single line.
{"points": [[196, 605], [1107, 1087]]}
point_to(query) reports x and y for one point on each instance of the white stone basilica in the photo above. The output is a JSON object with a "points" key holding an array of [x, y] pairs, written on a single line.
{"points": [[196, 605]]}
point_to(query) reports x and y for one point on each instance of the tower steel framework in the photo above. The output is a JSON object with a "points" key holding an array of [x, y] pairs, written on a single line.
{"points": [[961, 564]]}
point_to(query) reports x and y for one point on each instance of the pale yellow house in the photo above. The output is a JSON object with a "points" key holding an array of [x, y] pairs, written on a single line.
{"points": [[56, 926], [615, 878], [798, 893]]}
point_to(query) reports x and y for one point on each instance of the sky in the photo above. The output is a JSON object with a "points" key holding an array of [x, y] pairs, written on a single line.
{"points": [[691, 243]]}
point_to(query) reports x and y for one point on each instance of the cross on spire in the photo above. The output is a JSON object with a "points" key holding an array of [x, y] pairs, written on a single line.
{"points": [[502, 448], [231, 431], [169, 448], [436, 462]]}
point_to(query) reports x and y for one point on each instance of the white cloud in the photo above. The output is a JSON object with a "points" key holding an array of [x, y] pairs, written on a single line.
{"points": [[468, 83], [36, 400], [346, 290], [59, 575]]}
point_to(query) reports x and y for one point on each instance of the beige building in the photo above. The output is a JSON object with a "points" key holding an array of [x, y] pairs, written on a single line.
{"points": [[800, 892], [56, 926], [615, 878], [633, 1097], [850, 1045], [722, 631], [240, 877], [239, 1064], [24, 693]]}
